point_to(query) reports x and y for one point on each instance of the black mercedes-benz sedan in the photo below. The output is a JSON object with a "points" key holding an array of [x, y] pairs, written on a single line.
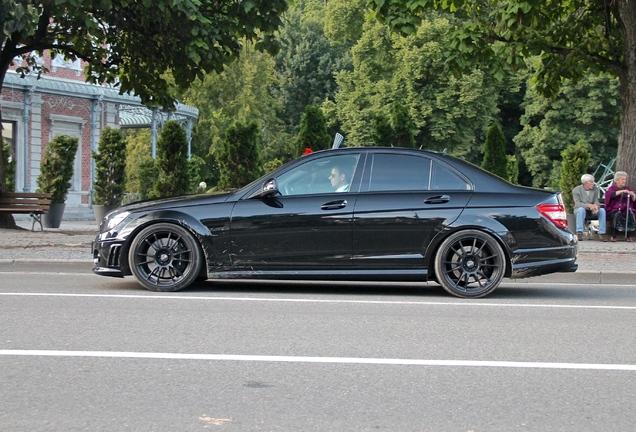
{"points": [[347, 214]]}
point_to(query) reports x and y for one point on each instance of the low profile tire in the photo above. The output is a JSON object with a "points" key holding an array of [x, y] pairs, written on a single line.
{"points": [[165, 257], [470, 264]]}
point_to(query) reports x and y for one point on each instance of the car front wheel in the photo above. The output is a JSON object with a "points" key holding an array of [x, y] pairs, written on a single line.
{"points": [[165, 257], [470, 264]]}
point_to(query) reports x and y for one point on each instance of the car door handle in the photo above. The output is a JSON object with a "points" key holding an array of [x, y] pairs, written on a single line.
{"points": [[334, 205], [439, 199]]}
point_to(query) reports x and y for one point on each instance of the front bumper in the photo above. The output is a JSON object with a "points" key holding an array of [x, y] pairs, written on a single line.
{"points": [[107, 256]]}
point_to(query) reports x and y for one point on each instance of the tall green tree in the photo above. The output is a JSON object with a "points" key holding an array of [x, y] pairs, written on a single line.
{"points": [[243, 93], [172, 162], [344, 21], [313, 131], [583, 111], [447, 112], [135, 44], [306, 62], [495, 159], [239, 157], [572, 39]]}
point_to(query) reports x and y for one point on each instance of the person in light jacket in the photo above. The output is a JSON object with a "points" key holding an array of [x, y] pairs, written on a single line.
{"points": [[587, 205]]}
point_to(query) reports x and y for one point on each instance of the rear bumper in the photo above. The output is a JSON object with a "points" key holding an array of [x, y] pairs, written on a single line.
{"points": [[537, 262]]}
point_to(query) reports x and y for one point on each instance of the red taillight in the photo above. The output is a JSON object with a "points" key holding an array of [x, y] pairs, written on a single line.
{"points": [[554, 212]]}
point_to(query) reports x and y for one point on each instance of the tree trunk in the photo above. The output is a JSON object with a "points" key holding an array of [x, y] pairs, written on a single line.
{"points": [[626, 157]]}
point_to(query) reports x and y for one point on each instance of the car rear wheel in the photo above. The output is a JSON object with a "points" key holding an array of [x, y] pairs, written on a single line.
{"points": [[165, 257], [470, 264]]}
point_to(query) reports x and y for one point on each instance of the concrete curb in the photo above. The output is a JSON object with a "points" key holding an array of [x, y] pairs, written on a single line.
{"points": [[583, 277]]}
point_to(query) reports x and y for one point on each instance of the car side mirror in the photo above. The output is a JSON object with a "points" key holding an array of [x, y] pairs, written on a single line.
{"points": [[269, 188]]}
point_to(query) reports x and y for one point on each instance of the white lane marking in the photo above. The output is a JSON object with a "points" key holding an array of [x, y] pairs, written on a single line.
{"points": [[292, 300], [333, 360]]}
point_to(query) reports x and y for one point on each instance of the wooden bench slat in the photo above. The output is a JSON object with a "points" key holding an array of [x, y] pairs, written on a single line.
{"points": [[24, 207], [22, 201], [33, 203], [26, 195]]}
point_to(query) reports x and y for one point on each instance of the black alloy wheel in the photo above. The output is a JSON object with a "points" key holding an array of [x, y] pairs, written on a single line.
{"points": [[470, 264], [165, 257]]}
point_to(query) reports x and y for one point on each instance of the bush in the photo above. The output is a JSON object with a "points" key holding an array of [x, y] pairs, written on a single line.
{"points": [[56, 168], [110, 168], [575, 162]]}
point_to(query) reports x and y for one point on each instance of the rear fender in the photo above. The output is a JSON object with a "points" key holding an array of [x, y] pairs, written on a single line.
{"points": [[470, 220]]}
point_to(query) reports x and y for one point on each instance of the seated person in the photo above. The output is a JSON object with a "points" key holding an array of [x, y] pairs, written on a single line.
{"points": [[617, 197], [587, 205], [340, 178]]}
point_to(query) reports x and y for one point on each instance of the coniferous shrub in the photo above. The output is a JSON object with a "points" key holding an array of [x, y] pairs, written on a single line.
{"points": [[575, 162], [172, 161], [56, 167], [110, 168], [238, 156], [495, 158], [313, 130]]}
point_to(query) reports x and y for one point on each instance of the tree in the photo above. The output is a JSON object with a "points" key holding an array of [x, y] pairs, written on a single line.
{"points": [[495, 159], [447, 112], [307, 62], [238, 156], [172, 162], [587, 110], [572, 39], [313, 131], [243, 93], [135, 45]]}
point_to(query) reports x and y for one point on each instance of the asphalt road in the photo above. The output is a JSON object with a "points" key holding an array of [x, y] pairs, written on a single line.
{"points": [[81, 352]]}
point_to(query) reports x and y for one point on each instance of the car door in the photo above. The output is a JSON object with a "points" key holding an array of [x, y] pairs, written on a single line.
{"points": [[306, 226], [405, 201]]}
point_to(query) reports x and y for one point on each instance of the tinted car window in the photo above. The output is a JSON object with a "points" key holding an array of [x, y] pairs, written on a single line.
{"points": [[313, 177], [391, 172], [445, 179]]}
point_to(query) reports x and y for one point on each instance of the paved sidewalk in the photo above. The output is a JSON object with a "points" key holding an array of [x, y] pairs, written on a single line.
{"points": [[67, 249]]}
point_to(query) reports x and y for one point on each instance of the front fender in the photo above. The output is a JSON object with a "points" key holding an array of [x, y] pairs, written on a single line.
{"points": [[193, 225]]}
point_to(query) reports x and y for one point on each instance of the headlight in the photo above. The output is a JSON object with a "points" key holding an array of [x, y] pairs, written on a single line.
{"points": [[116, 219]]}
